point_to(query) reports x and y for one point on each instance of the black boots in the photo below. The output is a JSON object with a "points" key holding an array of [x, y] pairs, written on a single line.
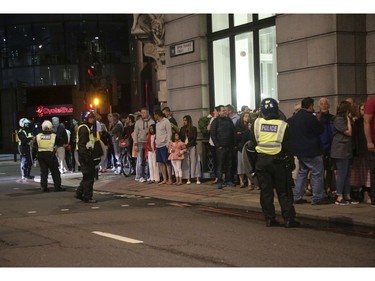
{"points": [[272, 222], [289, 223]]}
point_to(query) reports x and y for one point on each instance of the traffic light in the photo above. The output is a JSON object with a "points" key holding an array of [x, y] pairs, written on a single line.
{"points": [[91, 71]]}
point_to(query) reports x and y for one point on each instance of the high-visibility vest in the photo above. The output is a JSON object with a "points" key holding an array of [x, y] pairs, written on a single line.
{"points": [[91, 142], [46, 142], [28, 135], [269, 135]]}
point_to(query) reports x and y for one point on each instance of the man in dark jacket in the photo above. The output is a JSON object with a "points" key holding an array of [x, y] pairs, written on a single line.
{"points": [[85, 146], [222, 133], [306, 145]]}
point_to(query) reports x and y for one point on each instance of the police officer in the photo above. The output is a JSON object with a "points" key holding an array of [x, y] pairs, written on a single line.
{"points": [[25, 139], [85, 144], [273, 168], [46, 145]]}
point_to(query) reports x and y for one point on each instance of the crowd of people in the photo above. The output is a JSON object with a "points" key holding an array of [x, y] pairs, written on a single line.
{"points": [[330, 151]]}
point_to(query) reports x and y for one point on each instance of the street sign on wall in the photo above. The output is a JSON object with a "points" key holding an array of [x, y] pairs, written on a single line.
{"points": [[182, 49]]}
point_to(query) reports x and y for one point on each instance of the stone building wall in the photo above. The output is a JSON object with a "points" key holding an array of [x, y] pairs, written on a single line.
{"points": [[321, 55], [187, 74]]}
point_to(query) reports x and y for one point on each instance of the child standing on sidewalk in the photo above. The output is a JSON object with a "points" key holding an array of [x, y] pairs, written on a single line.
{"points": [[151, 155], [177, 149]]}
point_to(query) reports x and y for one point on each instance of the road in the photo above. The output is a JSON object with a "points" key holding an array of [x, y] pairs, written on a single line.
{"points": [[56, 230]]}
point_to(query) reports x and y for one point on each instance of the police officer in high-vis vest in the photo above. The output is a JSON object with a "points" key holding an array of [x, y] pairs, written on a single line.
{"points": [[273, 167], [46, 145], [25, 139], [85, 144]]}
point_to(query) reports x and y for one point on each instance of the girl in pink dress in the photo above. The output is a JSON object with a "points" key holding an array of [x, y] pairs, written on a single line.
{"points": [[177, 150]]}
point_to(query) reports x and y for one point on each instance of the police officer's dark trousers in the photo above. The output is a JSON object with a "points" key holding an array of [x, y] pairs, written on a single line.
{"points": [[85, 189], [274, 175], [26, 161], [48, 161]]}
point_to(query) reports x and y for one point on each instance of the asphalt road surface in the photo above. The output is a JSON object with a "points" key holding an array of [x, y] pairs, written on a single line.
{"points": [[56, 230]]}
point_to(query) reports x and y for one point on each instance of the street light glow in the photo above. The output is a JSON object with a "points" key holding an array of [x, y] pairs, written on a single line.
{"points": [[96, 101]]}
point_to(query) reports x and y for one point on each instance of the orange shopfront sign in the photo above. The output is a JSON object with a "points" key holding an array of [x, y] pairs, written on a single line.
{"points": [[53, 110]]}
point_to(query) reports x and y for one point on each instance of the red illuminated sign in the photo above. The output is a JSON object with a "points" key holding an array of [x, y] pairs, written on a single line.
{"points": [[42, 111]]}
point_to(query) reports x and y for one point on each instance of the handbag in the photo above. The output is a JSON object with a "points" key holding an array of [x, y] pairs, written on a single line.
{"points": [[97, 152]]}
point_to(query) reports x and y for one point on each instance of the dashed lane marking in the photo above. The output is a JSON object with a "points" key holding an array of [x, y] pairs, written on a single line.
{"points": [[124, 205], [117, 237], [31, 212], [64, 210], [151, 204], [182, 205], [95, 207]]}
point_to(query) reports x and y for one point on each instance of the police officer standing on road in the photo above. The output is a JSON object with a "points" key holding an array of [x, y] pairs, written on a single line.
{"points": [[85, 144], [46, 145], [273, 167], [25, 139]]}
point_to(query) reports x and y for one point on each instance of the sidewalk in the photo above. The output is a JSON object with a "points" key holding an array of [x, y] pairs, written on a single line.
{"points": [[207, 194]]}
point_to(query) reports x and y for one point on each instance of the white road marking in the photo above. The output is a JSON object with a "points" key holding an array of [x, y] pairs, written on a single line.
{"points": [[124, 205], [31, 212], [151, 204], [94, 207], [64, 210], [117, 237], [2, 174]]}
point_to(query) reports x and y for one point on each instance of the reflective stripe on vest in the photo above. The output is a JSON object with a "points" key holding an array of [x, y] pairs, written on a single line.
{"points": [[46, 142], [269, 135], [91, 142]]}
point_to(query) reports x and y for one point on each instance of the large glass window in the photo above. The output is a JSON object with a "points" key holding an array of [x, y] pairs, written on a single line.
{"points": [[222, 82], [240, 19], [268, 75], [219, 22], [245, 70], [244, 59]]}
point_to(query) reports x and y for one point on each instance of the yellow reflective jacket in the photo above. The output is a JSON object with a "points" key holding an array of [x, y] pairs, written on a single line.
{"points": [[46, 142], [269, 135]]}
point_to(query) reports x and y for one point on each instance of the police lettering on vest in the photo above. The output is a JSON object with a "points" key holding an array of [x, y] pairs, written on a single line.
{"points": [[269, 135], [46, 142], [269, 128]]}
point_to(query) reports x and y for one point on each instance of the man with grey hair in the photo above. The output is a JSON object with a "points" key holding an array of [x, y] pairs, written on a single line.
{"points": [[61, 142], [326, 119]]}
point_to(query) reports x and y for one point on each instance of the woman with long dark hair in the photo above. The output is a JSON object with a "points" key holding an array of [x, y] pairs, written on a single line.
{"points": [[191, 165]]}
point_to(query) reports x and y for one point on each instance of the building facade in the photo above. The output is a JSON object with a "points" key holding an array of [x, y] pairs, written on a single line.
{"points": [[192, 62]]}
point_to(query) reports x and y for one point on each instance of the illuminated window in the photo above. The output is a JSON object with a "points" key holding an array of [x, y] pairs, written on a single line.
{"points": [[243, 61]]}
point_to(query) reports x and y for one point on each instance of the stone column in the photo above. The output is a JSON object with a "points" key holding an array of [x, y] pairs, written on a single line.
{"points": [[150, 29]]}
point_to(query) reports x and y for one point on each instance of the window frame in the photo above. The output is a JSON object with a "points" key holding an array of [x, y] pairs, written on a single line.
{"points": [[230, 33]]}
